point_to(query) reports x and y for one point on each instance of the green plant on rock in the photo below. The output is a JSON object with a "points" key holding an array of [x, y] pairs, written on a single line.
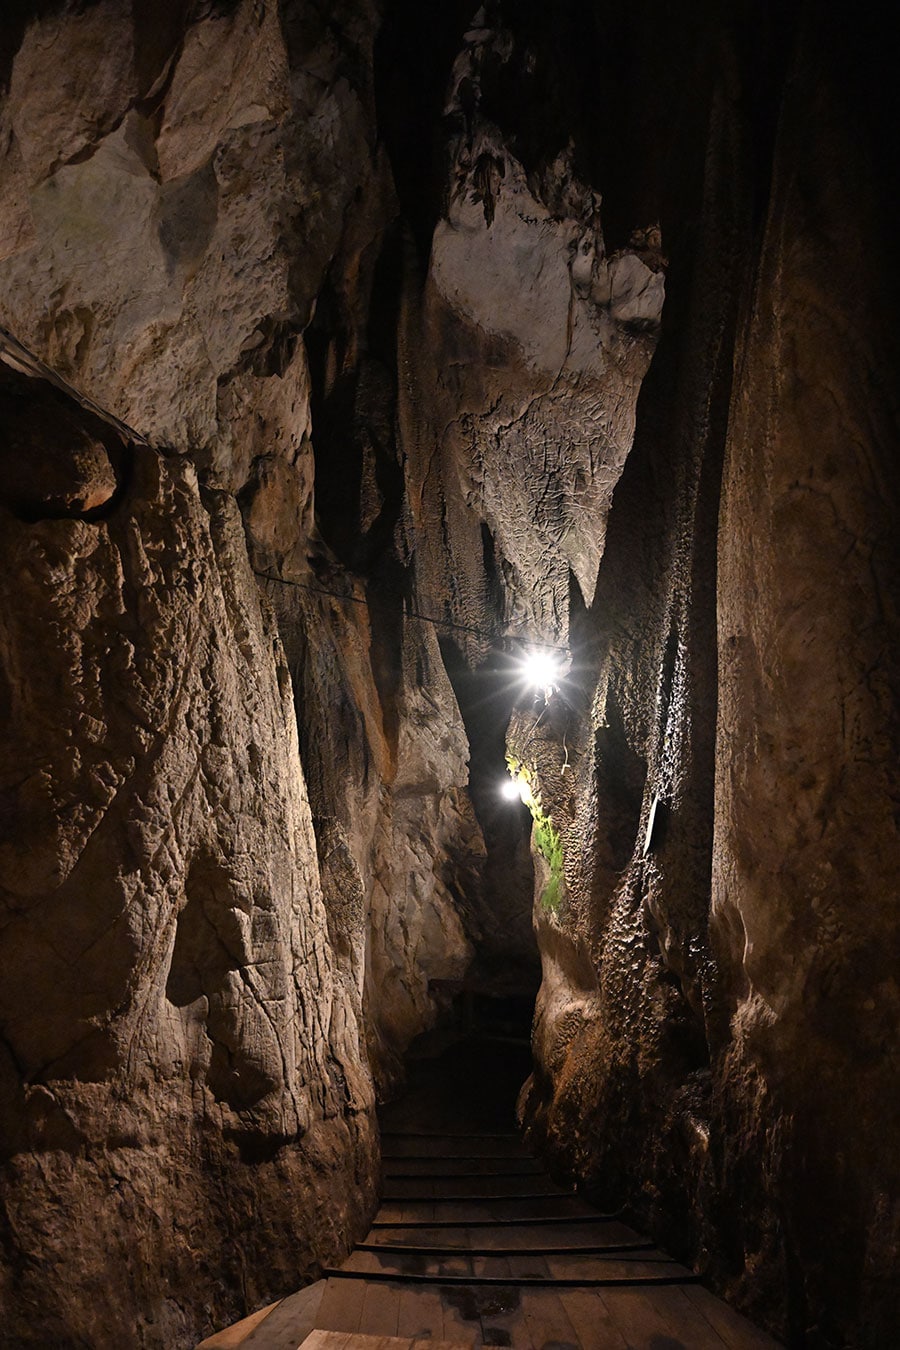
{"points": [[546, 837]]}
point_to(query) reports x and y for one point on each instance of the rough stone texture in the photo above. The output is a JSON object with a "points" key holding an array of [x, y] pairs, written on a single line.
{"points": [[401, 850], [533, 343], [177, 1050], [189, 194], [172, 210], [716, 1033], [805, 875], [408, 378], [521, 357]]}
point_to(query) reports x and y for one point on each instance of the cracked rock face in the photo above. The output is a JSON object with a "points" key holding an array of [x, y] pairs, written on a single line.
{"points": [[162, 902], [380, 291], [535, 345], [716, 1030], [259, 932]]}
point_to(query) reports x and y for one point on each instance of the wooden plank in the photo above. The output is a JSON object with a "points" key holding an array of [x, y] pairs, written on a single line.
{"points": [[441, 1135], [619, 1266], [591, 1320], [293, 1319], [342, 1305], [462, 1321], [477, 1187], [525, 1266], [528, 1236], [457, 1263], [686, 1320], [414, 1193], [499, 1313], [460, 1264], [547, 1320], [414, 1151], [636, 1315], [660, 1277], [425, 1248], [446, 1168], [404, 1236], [540, 1207], [421, 1314], [389, 1214], [237, 1333], [366, 1262], [340, 1340], [737, 1332], [381, 1310], [432, 1147], [479, 1220], [426, 1343], [497, 1265]]}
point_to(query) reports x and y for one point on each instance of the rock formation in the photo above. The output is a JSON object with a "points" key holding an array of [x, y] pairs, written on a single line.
{"points": [[403, 340]]}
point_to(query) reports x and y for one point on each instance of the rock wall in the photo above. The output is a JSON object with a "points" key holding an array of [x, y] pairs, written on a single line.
{"points": [[804, 915], [717, 1027], [236, 831], [179, 1052], [550, 325]]}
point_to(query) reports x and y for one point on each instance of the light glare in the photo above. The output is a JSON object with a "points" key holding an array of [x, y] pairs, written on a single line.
{"points": [[510, 789], [541, 669]]}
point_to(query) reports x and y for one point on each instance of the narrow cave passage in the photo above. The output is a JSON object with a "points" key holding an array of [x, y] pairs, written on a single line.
{"points": [[350, 353], [474, 1244]]}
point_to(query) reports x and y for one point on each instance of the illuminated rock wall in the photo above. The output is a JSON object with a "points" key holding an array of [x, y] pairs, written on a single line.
{"points": [[569, 324]]}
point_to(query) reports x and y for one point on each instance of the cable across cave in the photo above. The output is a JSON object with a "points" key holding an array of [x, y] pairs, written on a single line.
{"points": [[488, 634]]}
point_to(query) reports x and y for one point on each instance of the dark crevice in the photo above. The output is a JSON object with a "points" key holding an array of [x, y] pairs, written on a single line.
{"points": [[414, 54], [486, 697]]}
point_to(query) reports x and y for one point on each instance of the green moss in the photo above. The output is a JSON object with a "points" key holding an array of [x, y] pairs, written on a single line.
{"points": [[546, 838]]}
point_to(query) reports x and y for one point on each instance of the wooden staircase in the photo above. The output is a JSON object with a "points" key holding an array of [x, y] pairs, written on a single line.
{"points": [[474, 1245]]}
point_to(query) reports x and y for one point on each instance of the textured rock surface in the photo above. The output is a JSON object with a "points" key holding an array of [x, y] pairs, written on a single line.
{"points": [[717, 1028], [251, 839], [537, 341], [805, 875], [189, 193], [170, 213], [178, 1052]]}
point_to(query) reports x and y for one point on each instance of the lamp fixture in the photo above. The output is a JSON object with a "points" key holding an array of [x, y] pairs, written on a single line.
{"points": [[541, 669]]}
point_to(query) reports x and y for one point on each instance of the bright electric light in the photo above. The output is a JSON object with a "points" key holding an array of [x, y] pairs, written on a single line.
{"points": [[541, 669], [510, 789]]}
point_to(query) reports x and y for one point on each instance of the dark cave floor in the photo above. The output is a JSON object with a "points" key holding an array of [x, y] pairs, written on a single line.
{"points": [[475, 1245]]}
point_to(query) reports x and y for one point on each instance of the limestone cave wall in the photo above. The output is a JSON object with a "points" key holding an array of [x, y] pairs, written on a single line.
{"points": [[404, 338], [716, 1032], [237, 839]]}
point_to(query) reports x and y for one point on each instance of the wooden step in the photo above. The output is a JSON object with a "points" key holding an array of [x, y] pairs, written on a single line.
{"points": [[569, 1249], [580, 1267], [451, 1134], [532, 1187], [665, 1275], [452, 1168], [354, 1340], [384, 1220], [437, 1146]]}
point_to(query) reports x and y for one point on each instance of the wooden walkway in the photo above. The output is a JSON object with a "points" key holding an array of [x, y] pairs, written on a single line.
{"points": [[474, 1245]]}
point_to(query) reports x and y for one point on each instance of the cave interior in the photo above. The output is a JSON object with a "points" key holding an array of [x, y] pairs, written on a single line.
{"points": [[448, 519]]}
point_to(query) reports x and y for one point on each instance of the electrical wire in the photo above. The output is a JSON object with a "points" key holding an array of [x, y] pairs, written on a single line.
{"points": [[21, 358], [17, 356], [488, 635]]}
